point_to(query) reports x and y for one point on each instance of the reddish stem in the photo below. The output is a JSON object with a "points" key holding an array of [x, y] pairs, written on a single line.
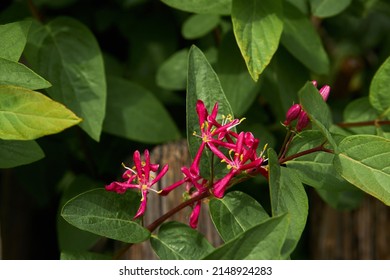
{"points": [[366, 123], [313, 150]]}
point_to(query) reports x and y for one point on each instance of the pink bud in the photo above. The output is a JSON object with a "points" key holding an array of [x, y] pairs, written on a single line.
{"points": [[324, 91], [303, 121], [314, 83], [292, 113]]}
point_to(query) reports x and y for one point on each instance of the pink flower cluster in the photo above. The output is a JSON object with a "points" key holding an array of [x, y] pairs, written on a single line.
{"points": [[296, 111], [237, 150]]}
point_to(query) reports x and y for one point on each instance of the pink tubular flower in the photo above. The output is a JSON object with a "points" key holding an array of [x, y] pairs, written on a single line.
{"points": [[292, 114], [139, 177]]}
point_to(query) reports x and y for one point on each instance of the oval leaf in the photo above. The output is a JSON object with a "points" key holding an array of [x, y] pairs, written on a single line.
{"points": [[17, 74], [364, 161], [219, 7], [67, 54], [15, 153], [235, 213], [379, 89], [257, 27], [27, 115], [172, 74], [328, 8], [360, 110], [136, 114], [301, 39], [199, 25], [107, 214], [177, 241], [262, 242], [13, 39], [317, 110], [287, 196]]}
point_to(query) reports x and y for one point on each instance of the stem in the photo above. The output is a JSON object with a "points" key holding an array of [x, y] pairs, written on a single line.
{"points": [[366, 123], [286, 144], [313, 150]]}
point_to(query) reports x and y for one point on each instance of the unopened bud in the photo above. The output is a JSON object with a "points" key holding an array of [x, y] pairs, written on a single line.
{"points": [[303, 121], [292, 113], [324, 91]]}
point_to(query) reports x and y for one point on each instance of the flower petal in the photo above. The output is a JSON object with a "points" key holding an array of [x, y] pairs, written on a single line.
{"points": [[194, 217]]}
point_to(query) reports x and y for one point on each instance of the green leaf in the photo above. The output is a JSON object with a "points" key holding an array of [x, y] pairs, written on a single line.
{"points": [[287, 196], [172, 74], [107, 214], [235, 213], [27, 115], [301, 39], [328, 8], [360, 110], [13, 39], [75, 255], [198, 25], [69, 237], [364, 161], [15, 153], [379, 89], [17, 74], [239, 88], [257, 28], [203, 84], [317, 110], [261, 242], [135, 113], [67, 54], [219, 7], [177, 241]]}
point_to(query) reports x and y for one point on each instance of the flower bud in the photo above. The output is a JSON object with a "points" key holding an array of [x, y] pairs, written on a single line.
{"points": [[324, 91], [292, 113], [303, 121]]}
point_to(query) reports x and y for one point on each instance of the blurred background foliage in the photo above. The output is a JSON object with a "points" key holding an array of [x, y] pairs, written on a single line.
{"points": [[144, 44]]}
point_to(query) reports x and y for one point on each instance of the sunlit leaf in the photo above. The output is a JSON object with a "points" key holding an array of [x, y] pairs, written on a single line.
{"points": [[27, 115], [379, 90], [219, 7], [13, 39], [257, 27]]}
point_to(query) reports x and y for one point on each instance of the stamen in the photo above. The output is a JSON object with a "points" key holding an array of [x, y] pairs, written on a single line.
{"points": [[128, 168]]}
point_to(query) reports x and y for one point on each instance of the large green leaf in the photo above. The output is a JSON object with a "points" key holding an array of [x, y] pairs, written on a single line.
{"points": [[317, 110], [27, 115], [203, 84], [328, 8], [379, 89], [17, 74], [239, 88], [198, 25], [257, 27], [136, 114], [69, 237], [364, 161], [301, 39], [107, 214], [13, 37], [66, 53], [261, 242], [14, 153], [287, 196], [235, 213], [219, 7], [177, 241]]}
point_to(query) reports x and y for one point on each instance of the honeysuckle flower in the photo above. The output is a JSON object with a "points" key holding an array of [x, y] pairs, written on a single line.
{"points": [[244, 158], [303, 121], [139, 177]]}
